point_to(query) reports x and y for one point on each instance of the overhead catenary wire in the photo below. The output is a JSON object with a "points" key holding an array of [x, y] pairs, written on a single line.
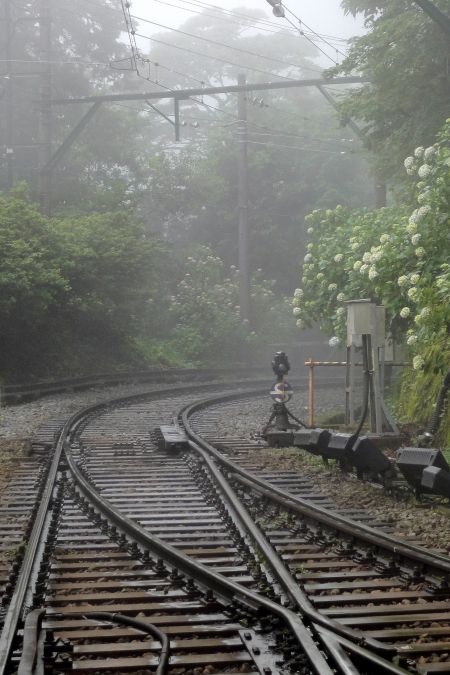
{"points": [[318, 35], [252, 20], [222, 60], [218, 43], [296, 147]]}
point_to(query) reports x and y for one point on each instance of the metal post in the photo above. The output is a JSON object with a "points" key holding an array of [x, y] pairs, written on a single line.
{"points": [[176, 118], [347, 387], [244, 282], [9, 129], [352, 384], [45, 118], [310, 365]]}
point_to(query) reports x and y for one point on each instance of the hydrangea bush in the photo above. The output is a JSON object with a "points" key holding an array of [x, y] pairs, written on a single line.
{"points": [[398, 257], [205, 314]]}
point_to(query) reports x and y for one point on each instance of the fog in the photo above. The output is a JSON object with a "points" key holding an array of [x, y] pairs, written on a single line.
{"points": [[325, 16]]}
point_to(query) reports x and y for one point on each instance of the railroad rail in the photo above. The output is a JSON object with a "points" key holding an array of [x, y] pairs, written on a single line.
{"points": [[29, 391], [236, 574], [351, 570]]}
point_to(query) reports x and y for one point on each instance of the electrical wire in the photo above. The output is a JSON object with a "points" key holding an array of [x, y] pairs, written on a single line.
{"points": [[293, 135], [218, 58], [302, 23], [296, 147], [217, 43], [56, 62], [239, 15]]}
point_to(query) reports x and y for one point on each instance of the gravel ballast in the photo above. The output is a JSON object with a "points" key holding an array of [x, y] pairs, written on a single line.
{"points": [[412, 520], [427, 521]]}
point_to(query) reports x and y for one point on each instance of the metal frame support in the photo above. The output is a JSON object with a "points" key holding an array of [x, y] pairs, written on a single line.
{"points": [[67, 143]]}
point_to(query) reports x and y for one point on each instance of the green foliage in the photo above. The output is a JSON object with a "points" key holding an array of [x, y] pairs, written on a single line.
{"points": [[397, 257], [404, 59], [72, 288], [204, 312]]}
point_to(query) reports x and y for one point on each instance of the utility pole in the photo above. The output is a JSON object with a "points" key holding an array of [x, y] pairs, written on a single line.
{"points": [[244, 281], [45, 116], [9, 128]]}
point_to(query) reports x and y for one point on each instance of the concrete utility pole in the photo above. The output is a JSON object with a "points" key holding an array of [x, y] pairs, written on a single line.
{"points": [[9, 129], [45, 116], [244, 276]]}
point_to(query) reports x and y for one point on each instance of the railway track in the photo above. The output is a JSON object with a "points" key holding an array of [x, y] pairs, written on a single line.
{"points": [[142, 559]]}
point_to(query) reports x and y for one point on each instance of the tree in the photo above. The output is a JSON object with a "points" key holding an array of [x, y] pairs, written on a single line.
{"points": [[74, 287], [404, 58]]}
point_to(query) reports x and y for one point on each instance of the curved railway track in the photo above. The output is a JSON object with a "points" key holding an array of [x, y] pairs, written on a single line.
{"points": [[194, 559]]}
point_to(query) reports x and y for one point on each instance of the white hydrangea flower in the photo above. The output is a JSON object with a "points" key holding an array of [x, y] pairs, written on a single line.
{"points": [[429, 153], [414, 278], [332, 287], [424, 171], [422, 196], [409, 163], [413, 217], [300, 323], [419, 252], [334, 341], [405, 312], [413, 293], [385, 238], [340, 297], [367, 257], [310, 230], [340, 311], [412, 339], [373, 273], [338, 257], [423, 211], [403, 280], [425, 312], [363, 268], [357, 265], [411, 228], [418, 152], [320, 276], [418, 362], [416, 238], [296, 311], [377, 255], [308, 257], [354, 246], [298, 293]]}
